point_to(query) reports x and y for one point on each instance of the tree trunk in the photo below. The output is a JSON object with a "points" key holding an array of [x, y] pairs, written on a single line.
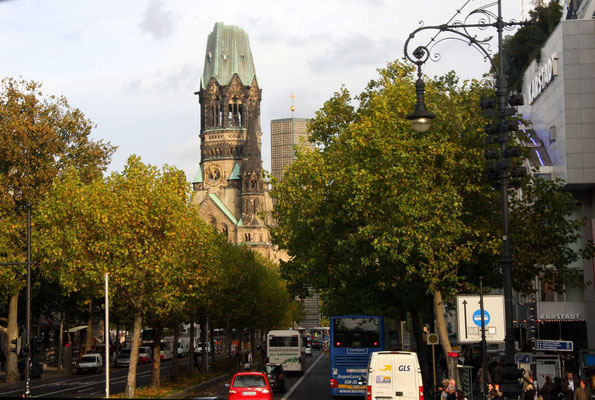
{"points": [[227, 341], [130, 391], [174, 356], [12, 368], [60, 340], [443, 334], [155, 370], [89, 342], [191, 348], [203, 339], [421, 346], [252, 343], [212, 344]]}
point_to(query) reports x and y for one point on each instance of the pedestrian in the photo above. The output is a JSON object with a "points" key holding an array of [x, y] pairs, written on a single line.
{"points": [[547, 390], [569, 385], [497, 378], [442, 389], [451, 392], [495, 395], [528, 387], [582, 392], [460, 395]]}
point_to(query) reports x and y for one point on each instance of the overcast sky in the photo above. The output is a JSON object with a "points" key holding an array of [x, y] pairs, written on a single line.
{"points": [[132, 66]]}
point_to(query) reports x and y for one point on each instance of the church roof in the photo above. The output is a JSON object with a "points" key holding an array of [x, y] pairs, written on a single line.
{"points": [[198, 178], [235, 173], [225, 210], [228, 53]]}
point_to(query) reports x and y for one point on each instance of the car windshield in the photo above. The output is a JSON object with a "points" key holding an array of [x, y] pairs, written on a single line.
{"points": [[249, 381], [125, 353], [88, 359]]}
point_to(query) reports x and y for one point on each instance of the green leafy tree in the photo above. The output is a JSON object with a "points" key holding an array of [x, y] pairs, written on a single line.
{"points": [[40, 137], [125, 225], [525, 45], [546, 234], [378, 204]]}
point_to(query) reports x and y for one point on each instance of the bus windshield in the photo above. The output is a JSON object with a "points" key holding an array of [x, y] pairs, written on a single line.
{"points": [[283, 341], [356, 332]]}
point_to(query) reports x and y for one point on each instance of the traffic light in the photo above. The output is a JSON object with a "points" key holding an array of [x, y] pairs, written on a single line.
{"points": [[15, 343], [502, 160], [530, 323]]}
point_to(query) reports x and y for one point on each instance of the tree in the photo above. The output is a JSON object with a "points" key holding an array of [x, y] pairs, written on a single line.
{"points": [[125, 225], [40, 136], [378, 215], [545, 232], [376, 203], [525, 45]]}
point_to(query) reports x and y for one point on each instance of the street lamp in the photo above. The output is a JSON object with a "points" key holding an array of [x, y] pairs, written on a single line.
{"points": [[421, 120]]}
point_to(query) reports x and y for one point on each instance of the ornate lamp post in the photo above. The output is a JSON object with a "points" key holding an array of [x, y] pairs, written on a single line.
{"points": [[421, 120]]}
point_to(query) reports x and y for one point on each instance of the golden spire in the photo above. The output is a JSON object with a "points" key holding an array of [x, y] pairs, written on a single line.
{"points": [[292, 108]]}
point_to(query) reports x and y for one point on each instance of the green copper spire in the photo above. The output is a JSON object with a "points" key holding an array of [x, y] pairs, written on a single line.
{"points": [[228, 52]]}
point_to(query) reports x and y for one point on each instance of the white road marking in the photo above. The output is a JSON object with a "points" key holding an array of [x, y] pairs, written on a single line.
{"points": [[301, 379]]}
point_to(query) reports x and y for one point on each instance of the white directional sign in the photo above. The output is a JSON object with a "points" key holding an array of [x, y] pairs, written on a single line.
{"points": [[469, 318]]}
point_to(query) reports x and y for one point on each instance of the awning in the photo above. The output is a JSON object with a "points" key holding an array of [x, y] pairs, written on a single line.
{"points": [[78, 328]]}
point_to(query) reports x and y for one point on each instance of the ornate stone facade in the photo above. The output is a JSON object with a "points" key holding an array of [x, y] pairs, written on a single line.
{"points": [[229, 188]]}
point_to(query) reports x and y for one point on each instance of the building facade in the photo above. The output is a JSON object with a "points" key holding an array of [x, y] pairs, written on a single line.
{"points": [[559, 97], [286, 134], [229, 188]]}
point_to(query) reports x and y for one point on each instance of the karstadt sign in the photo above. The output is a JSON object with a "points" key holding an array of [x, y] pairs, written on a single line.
{"points": [[542, 77]]}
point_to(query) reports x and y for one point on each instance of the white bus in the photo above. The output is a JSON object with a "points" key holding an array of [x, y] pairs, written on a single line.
{"points": [[285, 347]]}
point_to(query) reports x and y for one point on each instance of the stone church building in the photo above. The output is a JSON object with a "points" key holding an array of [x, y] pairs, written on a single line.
{"points": [[230, 188]]}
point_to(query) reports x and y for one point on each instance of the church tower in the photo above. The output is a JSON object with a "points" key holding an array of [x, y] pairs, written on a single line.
{"points": [[229, 188]]}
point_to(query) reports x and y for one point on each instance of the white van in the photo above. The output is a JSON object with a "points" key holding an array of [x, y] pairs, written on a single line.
{"points": [[394, 375]]}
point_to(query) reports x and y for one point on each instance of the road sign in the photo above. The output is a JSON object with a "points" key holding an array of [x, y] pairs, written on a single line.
{"points": [[555, 345], [433, 339], [469, 318]]}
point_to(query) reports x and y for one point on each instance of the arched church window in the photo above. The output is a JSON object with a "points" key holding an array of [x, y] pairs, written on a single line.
{"points": [[213, 221], [225, 231], [254, 184]]}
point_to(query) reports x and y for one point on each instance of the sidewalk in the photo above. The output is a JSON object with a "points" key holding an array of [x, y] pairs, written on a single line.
{"points": [[48, 374]]}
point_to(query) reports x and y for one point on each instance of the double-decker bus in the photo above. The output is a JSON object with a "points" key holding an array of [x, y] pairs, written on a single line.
{"points": [[352, 339], [285, 347]]}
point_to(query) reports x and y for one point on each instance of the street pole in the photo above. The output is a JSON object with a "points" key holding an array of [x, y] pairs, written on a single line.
{"points": [[484, 346], [28, 307], [106, 341], [421, 120]]}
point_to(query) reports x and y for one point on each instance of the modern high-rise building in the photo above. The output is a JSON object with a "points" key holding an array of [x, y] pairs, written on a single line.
{"points": [[286, 134], [230, 187]]}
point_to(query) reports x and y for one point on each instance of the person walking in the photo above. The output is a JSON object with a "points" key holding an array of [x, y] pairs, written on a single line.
{"points": [[547, 390], [528, 387], [569, 385], [582, 392]]}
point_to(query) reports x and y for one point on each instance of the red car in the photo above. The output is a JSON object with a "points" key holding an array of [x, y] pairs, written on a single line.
{"points": [[250, 385]]}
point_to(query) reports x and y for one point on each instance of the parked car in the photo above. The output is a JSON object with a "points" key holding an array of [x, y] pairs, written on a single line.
{"points": [[90, 362], [308, 350], [145, 354], [123, 358], [275, 375], [199, 346], [251, 385]]}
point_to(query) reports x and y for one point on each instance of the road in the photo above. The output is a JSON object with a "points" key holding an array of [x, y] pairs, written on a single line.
{"points": [[312, 385], [86, 385]]}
